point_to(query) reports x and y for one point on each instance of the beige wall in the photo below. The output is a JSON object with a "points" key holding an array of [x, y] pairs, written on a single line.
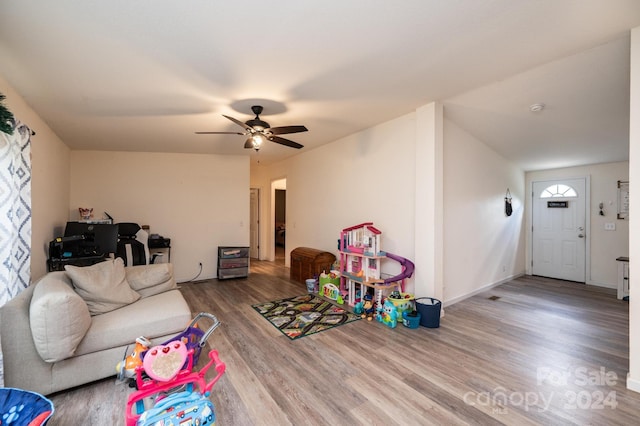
{"points": [[50, 179], [605, 246], [199, 201], [482, 246]]}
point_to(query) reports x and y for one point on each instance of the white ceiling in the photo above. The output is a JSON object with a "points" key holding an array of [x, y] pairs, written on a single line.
{"points": [[145, 75]]}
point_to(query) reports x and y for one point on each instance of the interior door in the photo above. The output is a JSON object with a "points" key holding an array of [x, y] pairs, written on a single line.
{"points": [[559, 229], [254, 225]]}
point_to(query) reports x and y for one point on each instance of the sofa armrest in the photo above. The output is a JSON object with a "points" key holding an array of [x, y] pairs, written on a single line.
{"points": [[149, 280], [23, 367]]}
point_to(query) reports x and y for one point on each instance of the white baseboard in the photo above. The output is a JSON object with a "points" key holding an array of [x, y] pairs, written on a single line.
{"points": [[589, 282], [633, 384], [482, 289]]}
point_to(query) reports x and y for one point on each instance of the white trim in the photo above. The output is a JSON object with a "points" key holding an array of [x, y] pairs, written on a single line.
{"points": [[633, 384]]}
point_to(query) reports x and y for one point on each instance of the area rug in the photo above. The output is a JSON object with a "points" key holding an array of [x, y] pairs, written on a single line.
{"points": [[301, 316]]}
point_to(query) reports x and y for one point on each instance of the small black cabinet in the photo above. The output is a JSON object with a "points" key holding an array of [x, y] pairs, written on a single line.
{"points": [[233, 262]]}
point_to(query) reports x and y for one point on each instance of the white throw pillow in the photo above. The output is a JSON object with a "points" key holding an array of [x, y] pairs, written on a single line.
{"points": [[149, 280], [59, 318], [103, 286]]}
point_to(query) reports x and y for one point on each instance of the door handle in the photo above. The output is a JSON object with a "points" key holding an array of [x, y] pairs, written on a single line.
{"points": [[580, 236]]}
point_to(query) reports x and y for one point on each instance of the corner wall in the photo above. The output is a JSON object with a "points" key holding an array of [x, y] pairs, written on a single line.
{"points": [[50, 180], [377, 175], [483, 247]]}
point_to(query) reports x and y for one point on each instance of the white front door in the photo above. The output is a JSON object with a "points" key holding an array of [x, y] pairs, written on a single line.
{"points": [[559, 229]]}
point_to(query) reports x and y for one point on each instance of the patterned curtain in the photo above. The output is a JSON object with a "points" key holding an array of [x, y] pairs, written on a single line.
{"points": [[15, 211]]}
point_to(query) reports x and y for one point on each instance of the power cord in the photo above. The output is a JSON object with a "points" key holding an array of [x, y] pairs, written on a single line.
{"points": [[197, 275]]}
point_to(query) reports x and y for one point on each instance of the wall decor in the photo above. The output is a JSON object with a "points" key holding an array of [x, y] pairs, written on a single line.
{"points": [[623, 199], [508, 208]]}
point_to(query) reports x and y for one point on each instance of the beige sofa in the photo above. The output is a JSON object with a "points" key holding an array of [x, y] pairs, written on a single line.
{"points": [[62, 332]]}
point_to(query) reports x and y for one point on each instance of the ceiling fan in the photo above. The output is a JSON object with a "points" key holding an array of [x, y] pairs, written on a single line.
{"points": [[259, 131]]}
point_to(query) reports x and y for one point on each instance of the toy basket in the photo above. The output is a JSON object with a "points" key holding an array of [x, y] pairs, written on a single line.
{"points": [[411, 319], [19, 407], [403, 302], [429, 309]]}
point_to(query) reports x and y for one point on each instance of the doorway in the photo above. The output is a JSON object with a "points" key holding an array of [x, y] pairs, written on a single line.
{"points": [[254, 225], [279, 197], [559, 225], [280, 224]]}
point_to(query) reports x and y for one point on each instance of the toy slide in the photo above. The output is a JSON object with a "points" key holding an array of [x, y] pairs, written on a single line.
{"points": [[407, 268]]}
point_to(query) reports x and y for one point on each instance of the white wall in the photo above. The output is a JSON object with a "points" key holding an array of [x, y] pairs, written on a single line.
{"points": [[605, 246], [482, 246], [368, 176], [373, 175], [633, 379], [50, 179], [199, 201]]}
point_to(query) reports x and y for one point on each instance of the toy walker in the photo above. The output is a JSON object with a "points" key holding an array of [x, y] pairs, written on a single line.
{"points": [[189, 407], [193, 337]]}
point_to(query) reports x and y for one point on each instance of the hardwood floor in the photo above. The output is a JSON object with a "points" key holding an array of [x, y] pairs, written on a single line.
{"points": [[543, 352]]}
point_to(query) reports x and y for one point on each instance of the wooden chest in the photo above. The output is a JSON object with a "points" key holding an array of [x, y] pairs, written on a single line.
{"points": [[309, 263]]}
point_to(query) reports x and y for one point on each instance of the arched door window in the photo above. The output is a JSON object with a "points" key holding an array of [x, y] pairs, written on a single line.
{"points": [[558, 191]]}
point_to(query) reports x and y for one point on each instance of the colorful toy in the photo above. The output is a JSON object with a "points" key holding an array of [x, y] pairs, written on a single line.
{"points": [[127, 367], [164, 362], [367, 307], [360, 264], [333, 277], [193, 338], [358, 308], [402, 301], [189, 407], [387, 314], [330, 291]]}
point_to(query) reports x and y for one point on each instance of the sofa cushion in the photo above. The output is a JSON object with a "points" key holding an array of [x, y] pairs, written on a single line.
{"points": [[103, 286], [160, 315], [148, 280], [58, 316]]}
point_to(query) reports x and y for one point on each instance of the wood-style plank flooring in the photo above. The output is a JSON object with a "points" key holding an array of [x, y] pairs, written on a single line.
{"points": [[544, 352]]}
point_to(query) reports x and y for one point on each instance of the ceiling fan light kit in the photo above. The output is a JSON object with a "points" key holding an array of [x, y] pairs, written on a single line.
{"points": [[259, 131]]}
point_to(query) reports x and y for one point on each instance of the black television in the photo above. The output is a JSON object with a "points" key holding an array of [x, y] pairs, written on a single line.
{"points": [[98, 239]]}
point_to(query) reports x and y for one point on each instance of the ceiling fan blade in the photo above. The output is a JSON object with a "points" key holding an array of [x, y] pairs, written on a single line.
{"points": [[283, 130], [238, 122], [287, 142], [219, 133]]}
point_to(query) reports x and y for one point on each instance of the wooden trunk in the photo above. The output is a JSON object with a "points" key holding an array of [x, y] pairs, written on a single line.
{"points": [[309, 263]]}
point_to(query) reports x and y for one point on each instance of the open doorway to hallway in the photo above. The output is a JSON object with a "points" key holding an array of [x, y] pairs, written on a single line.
{"points": [[280, 220]]}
